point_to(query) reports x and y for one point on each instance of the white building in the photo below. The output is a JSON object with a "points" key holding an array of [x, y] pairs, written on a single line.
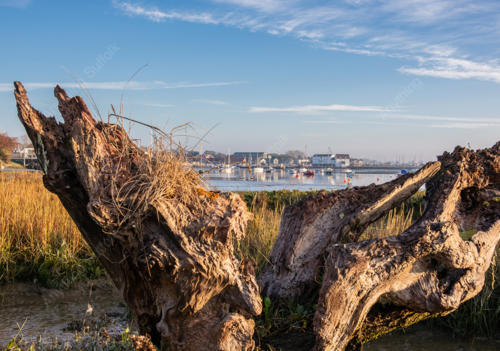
{"points": [[323, 160], [342, 160]]}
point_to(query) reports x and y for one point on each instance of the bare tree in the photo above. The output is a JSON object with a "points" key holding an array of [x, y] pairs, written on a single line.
{"points": [[7, 145]]}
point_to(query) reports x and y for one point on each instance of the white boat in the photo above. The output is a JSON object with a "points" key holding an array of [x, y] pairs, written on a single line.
{"points": [[227, 169], [258, 170], [302, 170], [349, 173]]}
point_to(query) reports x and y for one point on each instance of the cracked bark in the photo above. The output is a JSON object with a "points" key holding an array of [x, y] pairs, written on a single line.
{"points": [[176, 269], [179, 276], [426, 271]]}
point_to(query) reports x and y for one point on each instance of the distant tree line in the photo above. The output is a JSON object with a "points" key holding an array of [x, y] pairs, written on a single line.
{"points": [[7, 146]]}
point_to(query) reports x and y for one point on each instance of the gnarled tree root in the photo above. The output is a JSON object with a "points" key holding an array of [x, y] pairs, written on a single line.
{"points": [[426, 271]]}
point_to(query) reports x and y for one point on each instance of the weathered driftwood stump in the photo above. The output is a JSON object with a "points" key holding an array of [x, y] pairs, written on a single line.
{"points": [[172, 261], [169, 247], [428, 270]]}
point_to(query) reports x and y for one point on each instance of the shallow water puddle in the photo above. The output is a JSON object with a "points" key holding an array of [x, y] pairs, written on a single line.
{"points": [[45, 313], [421, 339]]}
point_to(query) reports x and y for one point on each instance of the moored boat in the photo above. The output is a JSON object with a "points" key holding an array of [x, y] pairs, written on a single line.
{"points": [[227, 169]]}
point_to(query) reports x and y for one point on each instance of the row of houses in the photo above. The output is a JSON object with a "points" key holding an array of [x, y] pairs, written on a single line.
{"points": [[331, 160], [265, 159]]}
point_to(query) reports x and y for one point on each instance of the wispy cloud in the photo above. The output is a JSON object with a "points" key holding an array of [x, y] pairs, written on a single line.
{"points": [[437, 34], [158, 105], [329, 121], [15, 3], [429, 11], [157, 16], [449, 122], [314, 109], [452, 68], [120, 85], [340, 122], [275, 17], [262, 5], [464, 125], [441, 118], [211, 102]]}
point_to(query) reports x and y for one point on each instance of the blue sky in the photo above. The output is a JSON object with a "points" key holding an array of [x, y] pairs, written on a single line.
{"points": [[389, 79]]}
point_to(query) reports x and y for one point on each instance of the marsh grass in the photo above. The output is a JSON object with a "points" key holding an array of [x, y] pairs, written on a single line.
{"points": [[398, 219], [38, 239], [262, 231], [261, 234]]}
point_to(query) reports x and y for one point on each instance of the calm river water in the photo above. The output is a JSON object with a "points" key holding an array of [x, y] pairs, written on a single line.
{"points": [[241, 180], [280, 179]]}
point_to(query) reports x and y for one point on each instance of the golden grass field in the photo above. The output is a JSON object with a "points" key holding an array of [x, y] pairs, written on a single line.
{"points": [[37, 236], [33, 217]]}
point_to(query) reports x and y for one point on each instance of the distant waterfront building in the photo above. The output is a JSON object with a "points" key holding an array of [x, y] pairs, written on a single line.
{"points": [[342, 160], [253, 157], [357, 162], [320, 160], [24, 153], [25, 156]]}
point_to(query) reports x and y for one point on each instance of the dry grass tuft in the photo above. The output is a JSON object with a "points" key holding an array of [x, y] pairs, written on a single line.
{"points": [[142, 179]]}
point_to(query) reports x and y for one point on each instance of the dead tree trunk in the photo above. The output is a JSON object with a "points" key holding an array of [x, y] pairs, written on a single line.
{"points": [[175, 265], [427, 270], [309, 227], [172, 256]]}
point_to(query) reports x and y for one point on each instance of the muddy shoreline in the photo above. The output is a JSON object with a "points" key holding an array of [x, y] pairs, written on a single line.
{"points": [[37, 312], [53, 316]]}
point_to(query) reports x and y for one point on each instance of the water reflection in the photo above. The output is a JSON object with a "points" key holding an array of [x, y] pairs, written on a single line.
{"points": [[279, 179]]}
